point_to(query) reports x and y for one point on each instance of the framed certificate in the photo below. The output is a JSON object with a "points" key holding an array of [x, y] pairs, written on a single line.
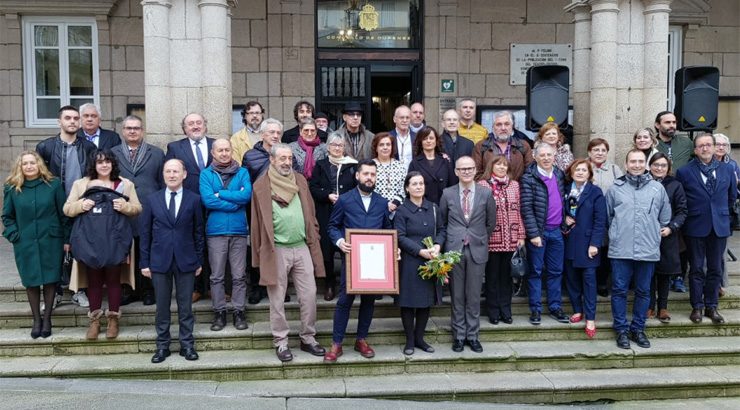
{"points": [[372, 264]]}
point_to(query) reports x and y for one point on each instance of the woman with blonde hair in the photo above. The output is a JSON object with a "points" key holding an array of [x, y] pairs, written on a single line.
{"points": [[36, 226], [645, 140], [550, 134]]}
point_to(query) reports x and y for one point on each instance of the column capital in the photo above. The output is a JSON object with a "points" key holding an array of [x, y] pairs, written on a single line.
{"points": [[215, 3], [657, 6], [581, 10], [600, 6], [164, 3]]}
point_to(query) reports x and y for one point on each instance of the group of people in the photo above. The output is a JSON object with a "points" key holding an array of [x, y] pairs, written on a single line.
{"points": [[238, 218]]}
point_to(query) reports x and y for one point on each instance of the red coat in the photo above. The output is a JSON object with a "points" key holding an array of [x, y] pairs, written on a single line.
{"points": [[509, 228]]}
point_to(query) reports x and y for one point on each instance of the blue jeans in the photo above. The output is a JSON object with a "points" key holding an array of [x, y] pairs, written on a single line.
{"points": [[623, 272], [549, 255], [344, 304], [581, 284]]}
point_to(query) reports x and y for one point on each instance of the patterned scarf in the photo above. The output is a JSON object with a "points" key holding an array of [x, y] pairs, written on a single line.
{"points": [[708, 171]]}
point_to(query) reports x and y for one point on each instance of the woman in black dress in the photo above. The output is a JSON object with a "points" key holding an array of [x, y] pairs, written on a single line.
{"points": [[435, 167], [416, 218], [332, 176]]}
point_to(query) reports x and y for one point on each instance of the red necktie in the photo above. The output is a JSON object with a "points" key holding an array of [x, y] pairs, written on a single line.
{"points": [[466, 203]]}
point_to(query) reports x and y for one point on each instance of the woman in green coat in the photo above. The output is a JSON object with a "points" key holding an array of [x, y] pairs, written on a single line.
{"points": [[36, 226]]}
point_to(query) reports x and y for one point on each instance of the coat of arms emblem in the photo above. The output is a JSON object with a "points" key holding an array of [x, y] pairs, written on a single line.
{"points": [[369, 18]]}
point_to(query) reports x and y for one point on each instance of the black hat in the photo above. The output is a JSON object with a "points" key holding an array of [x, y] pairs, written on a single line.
{"points": [[352, 107], [320, 115]]}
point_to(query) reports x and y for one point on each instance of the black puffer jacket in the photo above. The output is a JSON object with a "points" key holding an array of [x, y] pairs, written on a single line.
{"points": [[535, 200]]}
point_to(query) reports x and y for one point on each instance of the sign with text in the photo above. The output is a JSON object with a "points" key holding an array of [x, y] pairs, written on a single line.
{"points": [[523, 56]]}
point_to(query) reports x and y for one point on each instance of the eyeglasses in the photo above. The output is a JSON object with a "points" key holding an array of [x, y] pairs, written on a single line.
{"points": [[254, 112], [466, 170], [658, 165], [129, 129], [309, 131], [336, 145], [354, 114], [722, 144], [705, 146]]}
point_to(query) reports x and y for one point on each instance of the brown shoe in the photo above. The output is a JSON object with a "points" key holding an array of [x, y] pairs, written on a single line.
{"points": [[365, 350], [112, 331], [93, 329], [650, 314], [333, 354], [695, 315], [196, 296], [663, 316]]}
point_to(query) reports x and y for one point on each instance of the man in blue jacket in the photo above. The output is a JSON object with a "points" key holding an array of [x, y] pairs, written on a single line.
{"points": [[171, 231], [225, 190], [710, 192]]}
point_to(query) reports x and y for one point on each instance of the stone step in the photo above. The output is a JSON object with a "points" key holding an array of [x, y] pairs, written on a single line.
{"points": [[261, 364], [17, 314], [384, 331], [634, 389]]}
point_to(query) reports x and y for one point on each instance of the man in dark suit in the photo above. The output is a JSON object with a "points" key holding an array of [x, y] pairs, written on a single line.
{"points": [[302, 109], [103, 139], [469, 212], [359, 208], [710, 193], [141, 163], [403, 136], [172, 245], [194, 150], [454, 146]]}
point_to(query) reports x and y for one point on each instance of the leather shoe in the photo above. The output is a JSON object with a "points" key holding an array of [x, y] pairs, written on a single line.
{"points": [[160, 355], [189, 353], [535, 318], [493, 320], [507, 319], [329, 294], [695, 315], [196, 296], [148, 299], [240, 321], [713, 314], [315, 349], [559, 316], [283, 353], [365, 350], [640, 339], [475, 346], [333, 354], [623, 341], [457, 346]]}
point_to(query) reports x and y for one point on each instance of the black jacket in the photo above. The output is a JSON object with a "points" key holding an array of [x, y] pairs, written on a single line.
{"points": [[670, 262], [535, 200], [107, 139], [322, 184], [292, 134], [53, 151], [437, 176], [256, 161], [461, 147]]}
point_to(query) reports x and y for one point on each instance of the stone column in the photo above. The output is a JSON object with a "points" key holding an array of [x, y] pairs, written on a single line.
{"points": [[157, 73], [603, 76], [581, 75], [215, 21], [655, 90], [186, 62]]}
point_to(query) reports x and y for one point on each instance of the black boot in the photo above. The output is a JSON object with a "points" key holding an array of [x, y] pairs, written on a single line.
{"points": [[240, 321], [219, 321]]}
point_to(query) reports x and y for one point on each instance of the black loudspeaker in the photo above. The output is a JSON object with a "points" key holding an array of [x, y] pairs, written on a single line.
{"points": [[697, 98], [547, 96]]}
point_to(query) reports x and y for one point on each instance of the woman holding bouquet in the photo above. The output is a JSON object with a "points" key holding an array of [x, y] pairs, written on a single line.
{"points": [[507, 236], [416, 219]]}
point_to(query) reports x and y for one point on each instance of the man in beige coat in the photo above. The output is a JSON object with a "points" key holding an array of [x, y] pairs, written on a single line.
{"points": [[285, 240]]}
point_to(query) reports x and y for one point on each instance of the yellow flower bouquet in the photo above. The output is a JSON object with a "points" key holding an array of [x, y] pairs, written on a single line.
{"points": [[438, 268]]}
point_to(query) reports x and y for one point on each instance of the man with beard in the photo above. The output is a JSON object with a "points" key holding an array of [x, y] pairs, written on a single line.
{"points": [[225, 190], [503, 142], [710, 187], [677, 147], [365, 209], [302, 110], [246, 138], [322, 122], [285, 242]]}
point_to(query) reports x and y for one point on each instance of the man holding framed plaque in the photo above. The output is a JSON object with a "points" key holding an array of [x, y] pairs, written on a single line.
{"points": [[360, 208], [469, 211]]}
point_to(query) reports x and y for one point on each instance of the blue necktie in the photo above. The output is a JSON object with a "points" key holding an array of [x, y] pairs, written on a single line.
{"points": [[172, 207], [199, 156]]}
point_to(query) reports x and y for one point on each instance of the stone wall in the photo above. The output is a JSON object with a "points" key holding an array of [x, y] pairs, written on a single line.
{"points": [[468, 41]]}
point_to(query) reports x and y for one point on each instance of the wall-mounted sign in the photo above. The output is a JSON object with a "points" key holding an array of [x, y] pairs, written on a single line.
{"points": [[523, 56], [447, 86]]}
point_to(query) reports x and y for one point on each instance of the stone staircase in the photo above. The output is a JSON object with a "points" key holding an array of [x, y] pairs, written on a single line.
{"points": [[521, 363]]}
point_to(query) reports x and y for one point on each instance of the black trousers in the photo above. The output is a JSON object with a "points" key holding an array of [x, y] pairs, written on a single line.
{"points": [[184, 283], [498, 284]]}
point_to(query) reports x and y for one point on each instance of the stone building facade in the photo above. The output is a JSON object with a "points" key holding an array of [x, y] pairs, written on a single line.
{"points": [[170, 57]]}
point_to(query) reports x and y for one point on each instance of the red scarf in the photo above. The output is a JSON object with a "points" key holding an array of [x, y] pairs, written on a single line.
{"points": [[308, 146]]}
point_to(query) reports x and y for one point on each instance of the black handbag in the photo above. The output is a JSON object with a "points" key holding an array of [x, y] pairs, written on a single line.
{"points": [[519, 263]]}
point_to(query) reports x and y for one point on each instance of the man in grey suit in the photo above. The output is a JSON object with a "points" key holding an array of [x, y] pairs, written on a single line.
{"points": [[141, 163], [469, 212]]}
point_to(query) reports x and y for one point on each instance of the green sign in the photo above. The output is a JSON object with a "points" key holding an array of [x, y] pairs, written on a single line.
{"points": [[447, 86]]}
